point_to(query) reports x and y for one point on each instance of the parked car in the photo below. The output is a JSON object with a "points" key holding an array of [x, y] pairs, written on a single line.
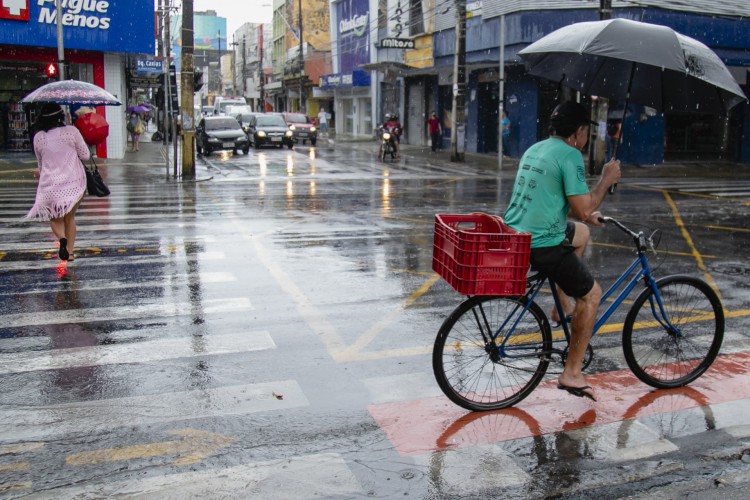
{"points": [[269, 130], [302, 127], [207, 111], [215, 133]]}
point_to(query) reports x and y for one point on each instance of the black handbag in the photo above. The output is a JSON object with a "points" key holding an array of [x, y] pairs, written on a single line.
{"points": [[94, 183]]}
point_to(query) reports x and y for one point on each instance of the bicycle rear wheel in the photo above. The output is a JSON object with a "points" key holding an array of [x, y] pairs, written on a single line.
{"points": [[478, 373], [665, 357]]}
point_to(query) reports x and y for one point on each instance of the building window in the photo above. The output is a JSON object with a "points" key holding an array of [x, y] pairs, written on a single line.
{"points": [[416, 18], [382, 14]]}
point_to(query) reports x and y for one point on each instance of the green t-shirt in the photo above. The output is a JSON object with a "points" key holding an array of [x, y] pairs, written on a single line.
{"points": [[548, 173]]}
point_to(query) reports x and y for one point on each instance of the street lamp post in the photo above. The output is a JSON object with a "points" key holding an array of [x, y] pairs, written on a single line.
{"points": [[301, 62]]}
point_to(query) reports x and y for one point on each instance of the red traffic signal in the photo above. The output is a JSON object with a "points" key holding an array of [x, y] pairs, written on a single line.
{"points": [[51, 70]]}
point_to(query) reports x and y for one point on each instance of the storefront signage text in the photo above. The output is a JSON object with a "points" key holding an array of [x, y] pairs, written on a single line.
{"points": [[397, 43], [358, 24], [81, 13]]}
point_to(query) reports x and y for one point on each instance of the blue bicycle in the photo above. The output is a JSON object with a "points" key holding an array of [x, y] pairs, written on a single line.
{"points": [[492, 351]]}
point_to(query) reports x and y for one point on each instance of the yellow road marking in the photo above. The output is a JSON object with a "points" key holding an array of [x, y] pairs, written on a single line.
{"points": [[15, 467], [193, 446], [698, 257], [11, 449], [5, 488], [366, 338]]}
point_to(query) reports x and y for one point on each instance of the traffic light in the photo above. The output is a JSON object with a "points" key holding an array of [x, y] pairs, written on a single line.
{"points": [[51, 71], [197, 80]]}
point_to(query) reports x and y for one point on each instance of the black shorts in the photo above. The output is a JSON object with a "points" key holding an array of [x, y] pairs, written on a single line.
{"points": [[563, 266]]}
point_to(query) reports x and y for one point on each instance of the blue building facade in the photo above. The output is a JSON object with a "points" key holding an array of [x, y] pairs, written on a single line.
{"points": [[651, 138]]}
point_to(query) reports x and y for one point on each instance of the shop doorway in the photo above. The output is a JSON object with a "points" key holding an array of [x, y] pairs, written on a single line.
{"points": [[488, 122]]}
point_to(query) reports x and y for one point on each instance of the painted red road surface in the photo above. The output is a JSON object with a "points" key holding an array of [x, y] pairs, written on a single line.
{"points": [[434, 424]]}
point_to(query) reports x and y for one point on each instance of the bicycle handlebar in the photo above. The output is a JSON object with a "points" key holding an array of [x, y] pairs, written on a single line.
{"points": [[640, 240]]}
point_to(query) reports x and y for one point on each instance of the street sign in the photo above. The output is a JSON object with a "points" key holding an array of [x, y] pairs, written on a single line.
{"points": [[149, 67]]}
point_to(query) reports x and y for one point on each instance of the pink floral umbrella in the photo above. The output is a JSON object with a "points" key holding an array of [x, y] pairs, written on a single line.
{"points": [[71, 92]]}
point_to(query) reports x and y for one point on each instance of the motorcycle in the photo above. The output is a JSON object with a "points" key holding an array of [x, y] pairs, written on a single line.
{"points": [[387, 143]]}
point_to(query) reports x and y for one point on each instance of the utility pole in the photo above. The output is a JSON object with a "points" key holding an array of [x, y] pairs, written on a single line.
{"points": [[187, 84], [599, 112], [167, 93], [301, 62], [501, 94], [262, 74], [458, 126]]}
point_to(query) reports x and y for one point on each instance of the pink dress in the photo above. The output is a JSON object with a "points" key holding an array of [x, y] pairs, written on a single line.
{"points": [[62, 180]]}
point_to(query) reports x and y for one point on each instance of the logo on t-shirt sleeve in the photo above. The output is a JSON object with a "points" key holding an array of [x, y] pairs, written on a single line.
{"points": [[581, 173]]}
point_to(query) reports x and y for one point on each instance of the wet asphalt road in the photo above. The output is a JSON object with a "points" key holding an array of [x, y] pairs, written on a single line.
{"points": [[266, 331]]}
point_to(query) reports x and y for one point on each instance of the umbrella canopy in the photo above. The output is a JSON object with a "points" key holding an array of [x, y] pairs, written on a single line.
{"points": [[71, 92], [645, 63], [141, 108]]}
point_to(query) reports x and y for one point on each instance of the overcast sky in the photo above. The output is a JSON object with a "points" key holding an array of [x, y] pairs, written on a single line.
{"points": [[238, 12]]}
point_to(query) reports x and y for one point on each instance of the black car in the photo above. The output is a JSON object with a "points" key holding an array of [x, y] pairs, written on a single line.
{"points": [[215, 133], [269, 130], [244, 119]]}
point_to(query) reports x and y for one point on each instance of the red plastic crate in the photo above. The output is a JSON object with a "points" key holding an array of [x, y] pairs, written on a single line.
{"points": [[477, 254]]}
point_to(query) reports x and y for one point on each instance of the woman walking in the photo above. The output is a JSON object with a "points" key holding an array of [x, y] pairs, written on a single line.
{"points": [[136, 128], [59, 149]]}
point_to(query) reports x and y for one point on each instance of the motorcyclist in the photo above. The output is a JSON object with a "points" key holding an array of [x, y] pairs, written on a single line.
{"points": [[393, 126]]}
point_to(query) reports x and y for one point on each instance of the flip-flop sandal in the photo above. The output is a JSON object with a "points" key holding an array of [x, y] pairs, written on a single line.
{"points": [[63, 251], [577, 391]]}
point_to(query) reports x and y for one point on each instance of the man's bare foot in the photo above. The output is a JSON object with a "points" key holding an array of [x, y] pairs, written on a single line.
{"points": [[576, 386]]}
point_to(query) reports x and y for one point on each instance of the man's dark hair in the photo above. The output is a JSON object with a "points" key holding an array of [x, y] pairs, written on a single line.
{"points": [[50, 116], [567, 117]]}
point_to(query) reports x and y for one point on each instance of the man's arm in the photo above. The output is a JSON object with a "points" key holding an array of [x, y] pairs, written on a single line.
{"points": [[582, 206]]}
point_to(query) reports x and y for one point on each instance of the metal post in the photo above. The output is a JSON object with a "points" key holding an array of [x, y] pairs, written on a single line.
{"points": [[459, 85], [262, 74], [599, 112], [187, 84], [166, 90], [301, 62], [60, 47], [501, 93]]}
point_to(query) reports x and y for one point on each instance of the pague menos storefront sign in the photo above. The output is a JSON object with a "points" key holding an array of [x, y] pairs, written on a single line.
{"points": [[101, 25]]}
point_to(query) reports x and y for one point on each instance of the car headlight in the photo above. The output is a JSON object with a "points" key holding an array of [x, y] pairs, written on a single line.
{"points": [[214, 139], [289, 133], [312, 129], [386, 136], [261, 133], [292, 127], [242, 139]]}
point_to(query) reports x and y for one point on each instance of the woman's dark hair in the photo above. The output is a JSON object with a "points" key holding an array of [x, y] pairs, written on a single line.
{"points": [[50, 116]]}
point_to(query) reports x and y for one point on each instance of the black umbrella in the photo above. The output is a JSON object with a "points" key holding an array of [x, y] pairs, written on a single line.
{"points": [[650, 64], [628, 60]]}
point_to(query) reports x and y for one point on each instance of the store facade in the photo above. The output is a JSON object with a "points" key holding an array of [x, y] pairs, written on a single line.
{"points": [[98, 37]]}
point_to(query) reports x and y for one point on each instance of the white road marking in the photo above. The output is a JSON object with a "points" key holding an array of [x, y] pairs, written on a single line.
{"points": [[210, 306], [46, 422], [312, 476], [136, 352]]}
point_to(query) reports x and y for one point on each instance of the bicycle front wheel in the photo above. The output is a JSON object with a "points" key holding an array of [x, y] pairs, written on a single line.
{"points": [[673, 345], [473, 366]]}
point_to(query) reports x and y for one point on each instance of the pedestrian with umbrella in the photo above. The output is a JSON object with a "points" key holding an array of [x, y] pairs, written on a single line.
{"points": [[59, 149], [136, 128]]}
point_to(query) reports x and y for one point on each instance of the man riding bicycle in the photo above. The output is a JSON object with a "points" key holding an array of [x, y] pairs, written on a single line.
{"points": [[550, 186]]}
